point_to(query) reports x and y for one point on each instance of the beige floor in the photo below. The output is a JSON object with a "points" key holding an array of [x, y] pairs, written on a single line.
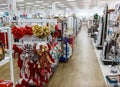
{"points": [[82, 70]]}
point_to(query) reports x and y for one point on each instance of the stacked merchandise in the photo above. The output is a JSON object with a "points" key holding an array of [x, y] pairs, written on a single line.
{"points": [[110, 35], [37, 58]]}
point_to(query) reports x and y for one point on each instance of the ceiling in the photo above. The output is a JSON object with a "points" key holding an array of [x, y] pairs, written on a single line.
{"points": [[75, 5], [70, 4]]}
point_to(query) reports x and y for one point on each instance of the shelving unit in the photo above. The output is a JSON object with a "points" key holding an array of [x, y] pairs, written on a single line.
{"points": [[8, 58], [30, 40], [36, 21], [110, 55], [4, 61]]}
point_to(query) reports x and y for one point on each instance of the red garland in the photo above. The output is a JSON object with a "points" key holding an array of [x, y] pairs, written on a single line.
{"points": [[28, 30], [18, 32]]}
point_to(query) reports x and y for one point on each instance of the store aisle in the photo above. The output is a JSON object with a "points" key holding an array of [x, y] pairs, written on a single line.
{"points": [[82, 70]]}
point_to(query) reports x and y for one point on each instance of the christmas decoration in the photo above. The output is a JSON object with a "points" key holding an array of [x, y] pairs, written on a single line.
{"points": [[2, 52]]}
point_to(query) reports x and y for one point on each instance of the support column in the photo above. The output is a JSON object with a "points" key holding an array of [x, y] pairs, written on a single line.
{"points": [[11, 8], [65, 12], [53, 9]]}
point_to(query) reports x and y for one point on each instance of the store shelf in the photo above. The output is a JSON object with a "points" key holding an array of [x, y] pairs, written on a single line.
{"points": [[4, 61], [106, 69]]}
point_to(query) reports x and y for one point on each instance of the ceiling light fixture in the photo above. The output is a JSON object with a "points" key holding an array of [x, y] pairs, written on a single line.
{"points": [[36, 5], [45, 4], [39, 2], [19, 0], [20, 4], [57, 2], [3, 4], [70, 0], [71, 3], [29, 3]]}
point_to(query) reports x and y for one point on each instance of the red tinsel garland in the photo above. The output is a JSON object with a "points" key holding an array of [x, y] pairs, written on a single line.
{"points": [[19, 32], [28, 30]]}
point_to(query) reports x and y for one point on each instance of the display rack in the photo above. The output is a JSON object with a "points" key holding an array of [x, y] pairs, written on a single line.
{"points": [[107, 41], [32, 39], [8, 58], [66, 42]]}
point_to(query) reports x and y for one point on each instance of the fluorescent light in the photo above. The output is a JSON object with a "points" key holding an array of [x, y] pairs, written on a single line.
{"points": [[71, 3], [39, 2], [57, 2], [19, 0], [20, 4], [36, 5], [44, 4], [3, 4], [87, 0], [29, 3], [70, 0]]}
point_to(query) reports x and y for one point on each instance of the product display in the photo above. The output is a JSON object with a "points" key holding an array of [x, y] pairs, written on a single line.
{"points": [[36, 30], [110, 50], [108, 39], [2, 52], [59, 43], [35, 64], [36, 59]]}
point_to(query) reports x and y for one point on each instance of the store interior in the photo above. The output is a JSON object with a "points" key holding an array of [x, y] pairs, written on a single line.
{"points": [[60, 43]]}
